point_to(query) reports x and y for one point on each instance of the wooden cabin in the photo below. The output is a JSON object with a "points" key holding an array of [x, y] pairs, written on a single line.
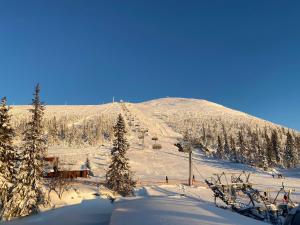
{"points": [[72, 174], [53, 170]]}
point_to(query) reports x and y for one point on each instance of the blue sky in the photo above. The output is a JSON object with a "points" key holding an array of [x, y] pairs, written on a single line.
{"points": [[241, 54]]}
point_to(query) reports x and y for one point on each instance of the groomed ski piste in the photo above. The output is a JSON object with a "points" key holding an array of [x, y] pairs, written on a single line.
{"points": [[155, 202]]}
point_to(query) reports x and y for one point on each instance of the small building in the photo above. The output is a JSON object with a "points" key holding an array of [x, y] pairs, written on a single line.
{"points": [[53, 169], [72, 174]]}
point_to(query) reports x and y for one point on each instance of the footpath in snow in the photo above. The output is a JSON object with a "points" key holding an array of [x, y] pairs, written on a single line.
{"points": [[161, 206]]}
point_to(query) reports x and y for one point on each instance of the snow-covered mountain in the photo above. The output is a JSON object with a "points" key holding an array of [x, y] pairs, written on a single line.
{"points": [[204, 121], [184, 113], [171, 110], [93, 123], [184, 108]]}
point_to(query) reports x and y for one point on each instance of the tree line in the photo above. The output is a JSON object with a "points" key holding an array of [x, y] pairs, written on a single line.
{"points": [[265, 148], [65, 131]]}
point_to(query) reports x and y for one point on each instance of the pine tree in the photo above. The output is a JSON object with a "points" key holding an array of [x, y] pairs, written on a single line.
{"points": [[264, 163], [27, 193], [119, 175], [254, 148], [276, 152], [226, 145], [219, 152], [87, 163], [290, 157], [234, 155], [297, 146], [203, 137], [242, 147], [84, 136], [53, 132], [8, 155], [88, 166], [71, 136], [62, 132], [269, 150]]}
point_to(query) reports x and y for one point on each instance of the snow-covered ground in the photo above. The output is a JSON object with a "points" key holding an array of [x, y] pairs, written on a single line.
{"points": [[78, 206], [176, 205], [151, 167]]}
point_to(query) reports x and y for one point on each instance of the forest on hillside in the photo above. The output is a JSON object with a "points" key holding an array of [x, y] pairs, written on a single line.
{"points": [[270, 146]]}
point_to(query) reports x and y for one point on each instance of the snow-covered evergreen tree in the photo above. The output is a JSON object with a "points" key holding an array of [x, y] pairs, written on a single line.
{"points": [[203, 137], [290, 156], [234, 155], [268, 150], [242, 147], [87, 163], [276, 152], [53, 133], [226, 144], [27, 194], [88, 166], [253, 151], [220, 153], [297, 146], [8, 155], [119, 175], [265, 164]]}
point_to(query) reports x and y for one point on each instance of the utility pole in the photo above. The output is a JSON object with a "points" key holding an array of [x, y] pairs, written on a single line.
{"points": [[186, 146], [190, 167]]}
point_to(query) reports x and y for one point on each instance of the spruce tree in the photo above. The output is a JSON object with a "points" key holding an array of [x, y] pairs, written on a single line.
{"points": [[264, 161], [219, 152], [297, 146], [242, 147], [53, 132], [234, 155], [62, 132], [27, 193], [268, 150], [226, 144], [8, 155], [253, 148], [87, 163], [119, 175], [88, 166], [276, 152], [203, 137], [290, 156]]}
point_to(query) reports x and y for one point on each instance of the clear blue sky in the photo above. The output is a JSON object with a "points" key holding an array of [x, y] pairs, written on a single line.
{"points": [[241, 54]]}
